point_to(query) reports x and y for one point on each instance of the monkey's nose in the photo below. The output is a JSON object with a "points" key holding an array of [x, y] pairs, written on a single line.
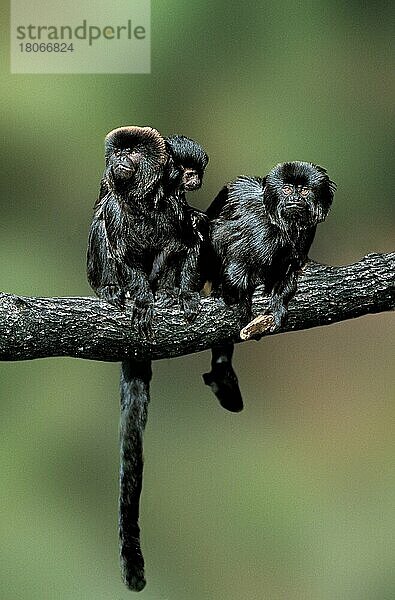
{"points": [[123, 169], [193, 183], [296, 202]]}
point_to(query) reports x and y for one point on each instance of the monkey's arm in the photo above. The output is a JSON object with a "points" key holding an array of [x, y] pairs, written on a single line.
{"points": [[179, 269], [163, 276], [111, 273], [102, 264], [190, 283], [285, 288], [192, 270], [281, 294], [138, 289]]}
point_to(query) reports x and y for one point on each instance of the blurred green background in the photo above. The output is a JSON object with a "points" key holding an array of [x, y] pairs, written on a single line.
{"points": [[293, 499]]}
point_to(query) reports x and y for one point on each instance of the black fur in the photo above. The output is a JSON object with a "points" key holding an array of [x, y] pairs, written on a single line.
{"points": [[144, 243], [261, 231]]}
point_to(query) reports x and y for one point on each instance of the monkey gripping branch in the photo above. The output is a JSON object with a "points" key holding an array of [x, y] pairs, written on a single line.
{"points": [[93, 329]]}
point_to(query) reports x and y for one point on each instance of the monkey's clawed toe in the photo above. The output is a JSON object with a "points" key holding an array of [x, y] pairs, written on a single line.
{"points": [[166, 297], [190, 304], [142, 318], [280, 315], [142, 314], [112, 294]]}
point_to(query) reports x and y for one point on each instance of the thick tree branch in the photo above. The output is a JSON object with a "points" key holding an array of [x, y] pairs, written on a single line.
{"points": [[90, 328]]}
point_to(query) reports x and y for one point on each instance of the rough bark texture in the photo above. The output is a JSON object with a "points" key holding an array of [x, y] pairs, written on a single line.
{"points": [[90, 328]]}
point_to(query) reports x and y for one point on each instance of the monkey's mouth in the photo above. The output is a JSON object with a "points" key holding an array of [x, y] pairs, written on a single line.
{"points": [[295, 209], [191, 182], [122, 171], [192, 185]]}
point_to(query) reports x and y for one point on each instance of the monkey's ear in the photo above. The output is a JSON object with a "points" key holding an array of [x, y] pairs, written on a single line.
{"points": [[174, 174], [131, 136], [325, 198]]}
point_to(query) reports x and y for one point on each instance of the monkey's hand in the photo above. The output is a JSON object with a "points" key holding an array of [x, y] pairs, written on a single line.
{"points": [[190, 304], [112, 294], [166, 296], [257, 327], [188, 301], [279, 299], [280, 315], [142, 311], [269, 321]]}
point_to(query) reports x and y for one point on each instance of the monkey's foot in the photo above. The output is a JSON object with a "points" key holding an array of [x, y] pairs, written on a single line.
{"points": [[166, 297], [142, 314], [257, 327], [112, 294], [190, 304]]}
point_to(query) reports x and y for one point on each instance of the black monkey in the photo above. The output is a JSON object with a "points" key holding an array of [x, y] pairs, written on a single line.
{"points": [[186, 167], [141, 223], [143, 240], [261, 231]]}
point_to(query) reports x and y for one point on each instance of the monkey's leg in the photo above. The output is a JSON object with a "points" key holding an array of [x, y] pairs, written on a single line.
{"points": [[236, 287], [281, 294], [139, 290], [135, 380], [163, 277], [159, 267], [223, 380], [276, 315], [102, 265], [190, 280]]}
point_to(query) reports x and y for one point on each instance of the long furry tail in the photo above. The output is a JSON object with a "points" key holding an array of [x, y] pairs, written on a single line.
{"points": [[223, 380], [135, 395]]}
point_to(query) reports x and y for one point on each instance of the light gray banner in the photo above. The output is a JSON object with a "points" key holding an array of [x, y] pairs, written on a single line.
{"points": [[80, 37]]}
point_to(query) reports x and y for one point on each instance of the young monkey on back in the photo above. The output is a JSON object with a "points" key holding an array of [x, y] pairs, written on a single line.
{"points": [[261, 230]]}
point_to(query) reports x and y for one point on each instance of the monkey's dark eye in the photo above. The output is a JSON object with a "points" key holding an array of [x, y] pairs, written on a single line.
{"points": [[287, 190], [304, 192]]}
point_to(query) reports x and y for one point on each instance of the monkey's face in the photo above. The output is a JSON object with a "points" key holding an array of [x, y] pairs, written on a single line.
{"points": [[183, 178], [124, 163], [296, 201], [187, 162], [191, 179], [135, 158], [298, 194]]}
